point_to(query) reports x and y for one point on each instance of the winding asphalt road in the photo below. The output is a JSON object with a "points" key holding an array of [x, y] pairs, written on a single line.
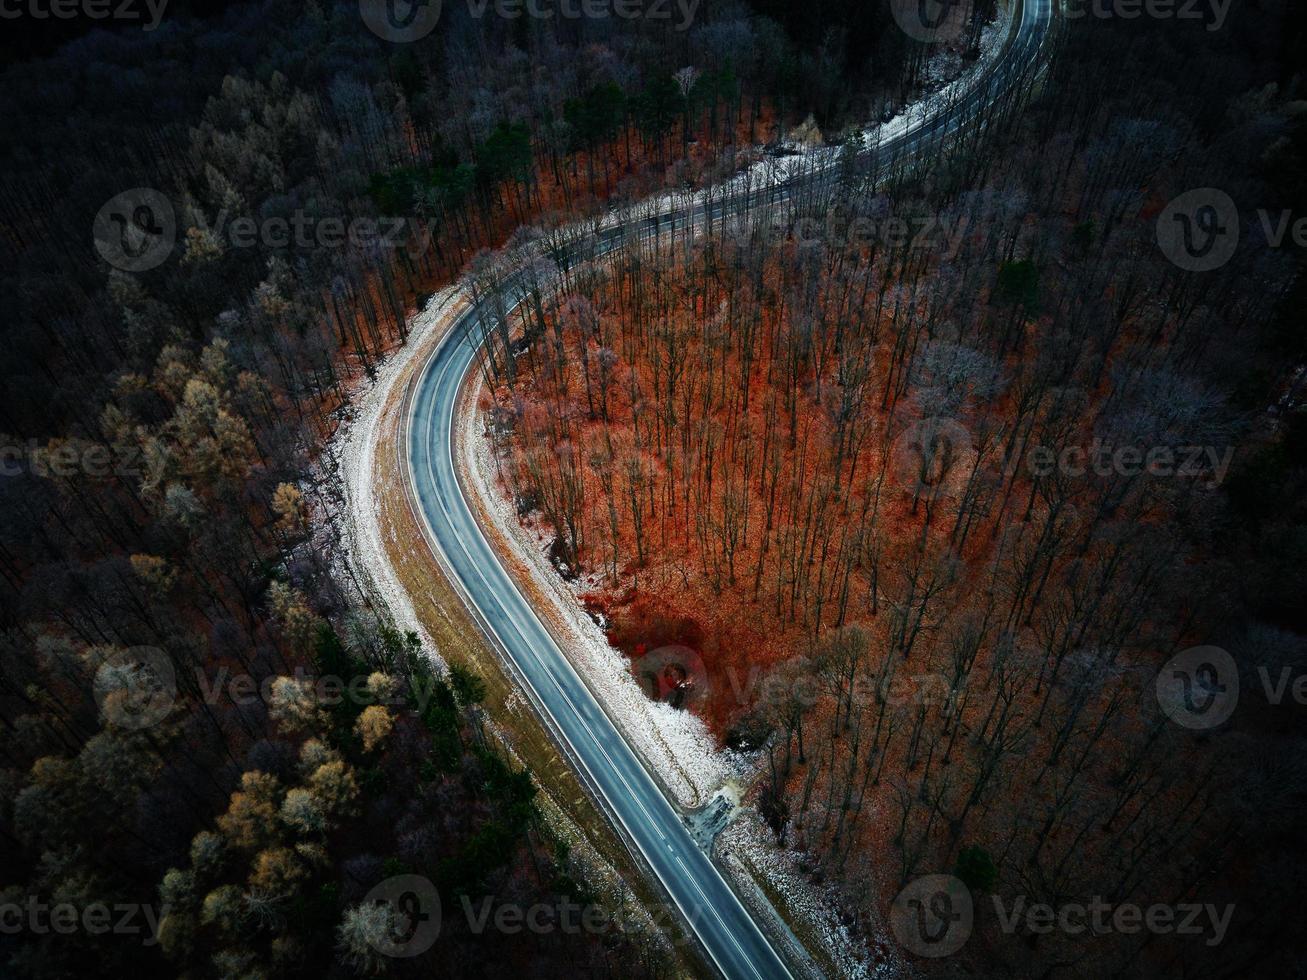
{"points": [[714, 913]]}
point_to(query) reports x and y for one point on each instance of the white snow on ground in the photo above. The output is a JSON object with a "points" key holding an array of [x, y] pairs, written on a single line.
{"points": [[747, 842], [354, 447], [947, 70]]}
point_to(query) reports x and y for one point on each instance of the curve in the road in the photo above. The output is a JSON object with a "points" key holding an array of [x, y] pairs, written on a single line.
{"points": [[715, 915]]}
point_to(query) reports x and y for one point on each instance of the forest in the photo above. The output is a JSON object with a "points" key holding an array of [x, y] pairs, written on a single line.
{"points": [[828, 452], [839, 462]]}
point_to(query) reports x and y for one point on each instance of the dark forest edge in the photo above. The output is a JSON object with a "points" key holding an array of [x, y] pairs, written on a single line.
{"points": [[163, 425]]}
